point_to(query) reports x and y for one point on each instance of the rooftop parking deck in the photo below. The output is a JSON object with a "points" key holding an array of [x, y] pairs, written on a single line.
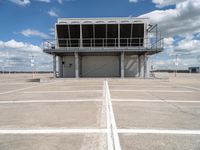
{"points": [[73, 113]]}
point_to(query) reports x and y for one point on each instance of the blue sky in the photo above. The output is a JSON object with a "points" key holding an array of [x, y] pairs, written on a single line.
{"points": [[35, 14], [25, 23]]}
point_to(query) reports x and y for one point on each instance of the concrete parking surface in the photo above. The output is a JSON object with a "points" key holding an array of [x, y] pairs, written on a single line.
{"points": [[88, 114]]}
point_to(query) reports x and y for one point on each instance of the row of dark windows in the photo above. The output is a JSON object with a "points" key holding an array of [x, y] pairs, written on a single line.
{"points": [[100, 35]]}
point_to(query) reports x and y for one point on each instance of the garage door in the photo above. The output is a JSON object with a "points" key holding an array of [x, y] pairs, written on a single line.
{"points": [[100, 66]]}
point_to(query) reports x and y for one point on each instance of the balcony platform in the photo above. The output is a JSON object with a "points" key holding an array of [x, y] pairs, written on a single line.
{"points": [[131, 50]]}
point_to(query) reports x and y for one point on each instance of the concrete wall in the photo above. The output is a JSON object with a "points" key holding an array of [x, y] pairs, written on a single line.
{"points": [[100, 66], [131, 66], [103, 66]]}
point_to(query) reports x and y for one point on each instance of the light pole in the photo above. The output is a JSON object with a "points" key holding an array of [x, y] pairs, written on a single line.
{"points": [[32, 65], [8, 62], [176, 64]]}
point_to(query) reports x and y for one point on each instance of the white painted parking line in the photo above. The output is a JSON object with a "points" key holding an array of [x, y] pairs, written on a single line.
{"points": [[74, 91], [164, 91], [190, 87], [155, 101], [139, 86], [50, 101], [26, 88], [111, 124], [108, 122], [158, 131], [76, 86], [52, 131], [97, 131], [13, 83]]}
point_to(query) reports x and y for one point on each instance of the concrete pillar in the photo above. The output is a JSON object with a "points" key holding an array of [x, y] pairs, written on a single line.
{"points": [[76, 64], [145, 66], [54, 65], [60, 64], [139, 66], [122, 64]]}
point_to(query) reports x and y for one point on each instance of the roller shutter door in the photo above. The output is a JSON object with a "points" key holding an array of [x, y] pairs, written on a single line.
{"points": [[100, 66]]}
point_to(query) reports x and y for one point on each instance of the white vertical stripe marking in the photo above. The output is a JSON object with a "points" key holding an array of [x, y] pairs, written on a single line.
{"points": [[111, 121]]}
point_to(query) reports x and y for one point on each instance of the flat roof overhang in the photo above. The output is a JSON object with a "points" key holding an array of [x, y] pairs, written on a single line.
{"points": [[102, 20], [68, 51]]}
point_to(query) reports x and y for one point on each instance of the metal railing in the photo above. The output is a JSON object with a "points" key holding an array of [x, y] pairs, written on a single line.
{"points": [[140, 43]]}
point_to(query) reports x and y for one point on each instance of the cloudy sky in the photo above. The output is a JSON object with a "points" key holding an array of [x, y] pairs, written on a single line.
{"points": [[25, 23]]}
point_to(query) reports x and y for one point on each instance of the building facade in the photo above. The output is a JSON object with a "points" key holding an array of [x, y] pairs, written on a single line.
{"points": [[103, 47], [194, 69]]}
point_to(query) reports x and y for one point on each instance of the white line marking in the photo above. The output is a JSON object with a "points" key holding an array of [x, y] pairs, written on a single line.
{"points": [[97, 131], [108, 122], [52, 131], [21, 89], [111, 121], [13, 83], [50, 101], [154, 101], [189, 87], [76, 91], [157, 131], [165, 91], [82, 86], [139, 86]]}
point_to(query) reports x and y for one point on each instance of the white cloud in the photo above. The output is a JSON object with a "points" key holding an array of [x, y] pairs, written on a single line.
{"points": [[52, 31], [15, 55], [163, 3], [184, 19], [45, 1], [169, 41], [52, 13], [187, 46], [20, 46], [133, 1], [21, 2], [60, 1], [31, 32], [187, 50]]}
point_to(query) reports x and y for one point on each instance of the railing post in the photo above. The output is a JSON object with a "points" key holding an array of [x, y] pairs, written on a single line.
{"points": [[119, 40], [81, 37], [139, 43]]}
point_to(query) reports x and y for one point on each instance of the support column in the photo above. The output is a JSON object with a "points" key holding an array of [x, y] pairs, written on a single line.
{"points": [[139, 66], [76, 64], [54, 65], [145, 65], [122, 64], [60, 64]]}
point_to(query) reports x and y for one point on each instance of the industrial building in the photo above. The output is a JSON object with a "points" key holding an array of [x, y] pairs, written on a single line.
{"points": [[194, 69], [103, 47]]}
